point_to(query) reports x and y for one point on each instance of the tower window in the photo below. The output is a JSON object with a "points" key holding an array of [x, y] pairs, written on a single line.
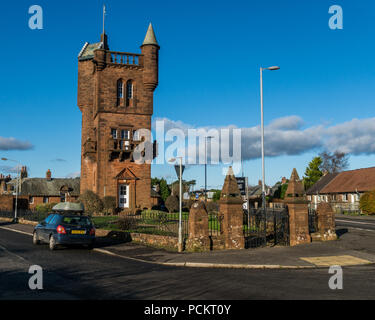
{"points": [[129, 89], [114, 133], [120, 93], [125, 134]]}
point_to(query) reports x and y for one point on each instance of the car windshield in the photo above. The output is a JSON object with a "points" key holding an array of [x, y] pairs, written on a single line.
{"points": [[76, 220]]}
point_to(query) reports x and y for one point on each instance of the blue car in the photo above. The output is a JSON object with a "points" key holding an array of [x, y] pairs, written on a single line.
{"points": [[65, 229]]}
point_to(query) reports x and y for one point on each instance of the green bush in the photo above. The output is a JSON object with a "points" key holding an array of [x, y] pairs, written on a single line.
{"points": [[126, 223], [109, 205], [91, 201], [367, 203], [45, 207], [172, 204]]}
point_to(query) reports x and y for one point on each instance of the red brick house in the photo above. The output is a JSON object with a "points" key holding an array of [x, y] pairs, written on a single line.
{"points": [[344, 189], [34, 191]]}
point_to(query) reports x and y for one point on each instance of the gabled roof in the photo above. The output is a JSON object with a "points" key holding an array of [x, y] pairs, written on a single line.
{"points": [[321, 183], [126, 174], [44, 187], [87, 51], [360, 180]]}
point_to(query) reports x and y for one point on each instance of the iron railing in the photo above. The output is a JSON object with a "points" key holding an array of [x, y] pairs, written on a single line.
{"points": [[158, 222], [262, 227], [29, 215]]}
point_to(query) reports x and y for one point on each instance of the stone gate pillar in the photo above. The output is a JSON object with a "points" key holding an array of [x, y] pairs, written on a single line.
{"points": [[297, 204], [198, 228], [326, 223], [232, 211]]}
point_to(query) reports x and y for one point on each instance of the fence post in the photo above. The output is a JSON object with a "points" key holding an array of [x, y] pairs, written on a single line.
{"points": [[231, 207], [326, 227], [198, 228], [298, 211]]}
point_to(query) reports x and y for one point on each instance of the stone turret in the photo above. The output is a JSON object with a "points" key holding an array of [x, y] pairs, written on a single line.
{"points": [[150, 50], [297, 204], [232, 213]]}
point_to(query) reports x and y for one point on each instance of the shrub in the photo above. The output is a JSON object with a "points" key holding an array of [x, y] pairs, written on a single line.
{"points": [[172, 204], [109, 205], [126, 223], [45, 207], [91, 201], [367, 203]]}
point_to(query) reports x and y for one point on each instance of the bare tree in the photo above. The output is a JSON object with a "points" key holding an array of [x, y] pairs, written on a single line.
{"points": [[334, 162]]}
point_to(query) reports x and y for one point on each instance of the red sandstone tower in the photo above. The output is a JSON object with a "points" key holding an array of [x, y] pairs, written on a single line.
{"points": [[115, 96]]}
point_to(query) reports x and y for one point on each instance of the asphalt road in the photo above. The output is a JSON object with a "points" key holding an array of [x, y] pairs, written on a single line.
{"points": [[355, 222], [83, 274]]}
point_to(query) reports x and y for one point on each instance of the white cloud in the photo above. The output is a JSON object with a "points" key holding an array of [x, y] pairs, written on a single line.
{"points": [[74, 175], [287, 136], [14, 144]]}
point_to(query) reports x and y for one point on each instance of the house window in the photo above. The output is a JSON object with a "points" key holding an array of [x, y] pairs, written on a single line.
{"points": [[120, 86], [114, 133], [62, 196], [125, 134], [31, 200], [136, 136], [129, 89], [344, 197], [45, 199]]}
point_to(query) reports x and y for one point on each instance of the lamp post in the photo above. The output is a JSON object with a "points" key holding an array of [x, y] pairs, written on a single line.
{"points": [[180, 205], [262, 133], [205, 167], [15, 220]]}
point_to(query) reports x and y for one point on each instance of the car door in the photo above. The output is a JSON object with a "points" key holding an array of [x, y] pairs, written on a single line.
{"points": [[41, 230], [51, 226]]}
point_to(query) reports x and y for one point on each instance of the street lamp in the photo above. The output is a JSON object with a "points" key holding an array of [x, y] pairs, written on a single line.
{"points": [[262, 133], [205, 167], [15, 220], [180, 205]]}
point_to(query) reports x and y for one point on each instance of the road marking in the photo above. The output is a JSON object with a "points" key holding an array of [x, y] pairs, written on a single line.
{"points": [[13, 254], [14, 230], [355, 222], [327, 261]]}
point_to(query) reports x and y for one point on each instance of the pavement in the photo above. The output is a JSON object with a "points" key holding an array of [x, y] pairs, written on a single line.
{"points": [[354, 247]]}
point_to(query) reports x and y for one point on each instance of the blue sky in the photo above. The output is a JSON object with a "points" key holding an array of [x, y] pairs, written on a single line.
{"points": [[210, 56]]}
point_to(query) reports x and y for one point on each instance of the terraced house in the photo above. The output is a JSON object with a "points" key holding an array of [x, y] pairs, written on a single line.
{"points": [[343, 189], [35, 191]]}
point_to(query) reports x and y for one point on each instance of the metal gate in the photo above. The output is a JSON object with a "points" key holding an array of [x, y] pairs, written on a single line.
{"points": [[262, 227], [313, 221]]}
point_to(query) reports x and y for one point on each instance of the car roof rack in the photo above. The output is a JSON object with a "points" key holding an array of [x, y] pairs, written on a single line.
{"points": [[69, 208]]}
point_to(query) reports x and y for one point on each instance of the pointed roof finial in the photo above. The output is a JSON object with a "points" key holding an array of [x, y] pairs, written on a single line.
{"points": [[150, 36]]}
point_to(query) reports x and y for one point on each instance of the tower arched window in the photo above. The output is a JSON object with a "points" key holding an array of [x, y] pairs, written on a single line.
{"points": [[129, 89], [129, 93], [120, 89]]}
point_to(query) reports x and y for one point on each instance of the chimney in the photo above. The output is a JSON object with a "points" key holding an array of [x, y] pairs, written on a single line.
{"points": [[23, 172], [259, 182], [48, 175]]}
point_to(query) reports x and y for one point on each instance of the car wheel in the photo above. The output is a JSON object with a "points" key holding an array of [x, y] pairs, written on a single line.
{"points": [[52, 243], [35, 238]]}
